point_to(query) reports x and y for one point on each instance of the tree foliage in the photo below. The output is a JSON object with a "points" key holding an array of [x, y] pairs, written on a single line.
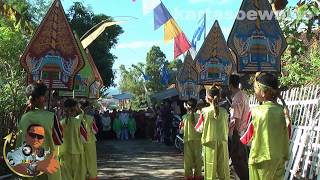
{"points": [[132, 79], [13, 40], [17, 12], [82, 19], [133, 82], [155, 58], [301, 27]]}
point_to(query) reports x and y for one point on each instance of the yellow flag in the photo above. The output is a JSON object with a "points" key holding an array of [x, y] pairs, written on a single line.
{"points": [[90, 38], [171, 30]]}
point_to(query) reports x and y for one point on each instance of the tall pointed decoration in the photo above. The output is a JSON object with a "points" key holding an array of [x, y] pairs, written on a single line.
{"points": [[53, 55], [94, 92], [83, 79], [256, 38], [214, 58], [187, 79]]}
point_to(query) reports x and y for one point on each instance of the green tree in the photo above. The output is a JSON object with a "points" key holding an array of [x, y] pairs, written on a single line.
{"points": [[83, 19], [17, 13], [155, 58], [174, 67], [132, 81], [38, 10], [301, 26], [18, 21], [13, 40]]}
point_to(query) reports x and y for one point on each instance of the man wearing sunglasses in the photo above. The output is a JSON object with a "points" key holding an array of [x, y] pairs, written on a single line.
{"points": [[29, 159]]}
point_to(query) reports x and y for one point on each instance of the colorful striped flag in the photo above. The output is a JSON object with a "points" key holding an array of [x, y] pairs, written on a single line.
{"points": [[246, 138], [57, 131], [200, 30], [181, 45], [171, 28], [94, 127], [199, 125], [161, 16], [83, 132], [149, 5], [164, 75]]}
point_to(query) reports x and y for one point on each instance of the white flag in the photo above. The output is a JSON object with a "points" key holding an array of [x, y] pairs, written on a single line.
{"points": [[149, 5]]}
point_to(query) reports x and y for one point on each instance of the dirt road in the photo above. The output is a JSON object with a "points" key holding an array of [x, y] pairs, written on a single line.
{"points": [[138, 159]]}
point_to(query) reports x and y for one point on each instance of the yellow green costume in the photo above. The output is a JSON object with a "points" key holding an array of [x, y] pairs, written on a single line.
{"points": [[215, 143], [45, 119], [90, 148], [117, 126], [72, 151], [192, 146], [270, 143], [132, 127]]}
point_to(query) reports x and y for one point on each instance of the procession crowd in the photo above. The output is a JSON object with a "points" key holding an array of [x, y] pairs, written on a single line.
{"points": [[256, 141], [217, 128]]}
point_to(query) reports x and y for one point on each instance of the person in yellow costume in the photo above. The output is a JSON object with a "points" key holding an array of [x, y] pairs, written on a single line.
{"points": [[117, 125], [90, 147], [215, 138], [35, 114], [269, 131], [132, 127], [192, 142], [72, 151]]}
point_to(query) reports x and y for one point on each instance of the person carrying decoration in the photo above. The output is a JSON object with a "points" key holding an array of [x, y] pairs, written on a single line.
{"points": [[192, 142], [268, 131], [238, 114], [35, 114], [90, 151], [72, 149], [215, 138]]}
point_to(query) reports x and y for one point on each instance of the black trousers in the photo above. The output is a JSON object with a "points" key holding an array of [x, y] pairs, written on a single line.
{"points": [[239, 156]]}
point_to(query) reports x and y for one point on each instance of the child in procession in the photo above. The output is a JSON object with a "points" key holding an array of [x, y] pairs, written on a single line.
{"points": [[215, 138], [90, 151], [35, 114], [267, 131], [192, 142], [72, 149]]}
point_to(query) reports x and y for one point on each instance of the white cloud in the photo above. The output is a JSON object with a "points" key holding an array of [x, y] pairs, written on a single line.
{"points": [[209, 1], [138, 44]]}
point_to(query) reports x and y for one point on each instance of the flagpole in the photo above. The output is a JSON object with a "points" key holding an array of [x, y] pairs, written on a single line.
{"points": [[205, 26]]}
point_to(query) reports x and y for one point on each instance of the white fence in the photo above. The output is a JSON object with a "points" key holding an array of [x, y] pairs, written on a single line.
{"points": [[304, 107]]}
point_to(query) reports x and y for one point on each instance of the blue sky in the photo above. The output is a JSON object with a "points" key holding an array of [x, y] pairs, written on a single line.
{"points": [[139, 35]]}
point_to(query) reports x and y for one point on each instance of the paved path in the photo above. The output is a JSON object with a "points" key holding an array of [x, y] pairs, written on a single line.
{"points": [[138, 159]]}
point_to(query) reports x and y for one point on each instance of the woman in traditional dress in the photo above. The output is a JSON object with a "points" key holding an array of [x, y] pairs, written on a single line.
{"points": [[215, 138], [268, 131], [90, 147], [192, 142], [72, 150]]}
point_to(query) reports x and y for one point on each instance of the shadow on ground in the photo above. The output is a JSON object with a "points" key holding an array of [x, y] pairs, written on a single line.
{"points": [[138, 159]]}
